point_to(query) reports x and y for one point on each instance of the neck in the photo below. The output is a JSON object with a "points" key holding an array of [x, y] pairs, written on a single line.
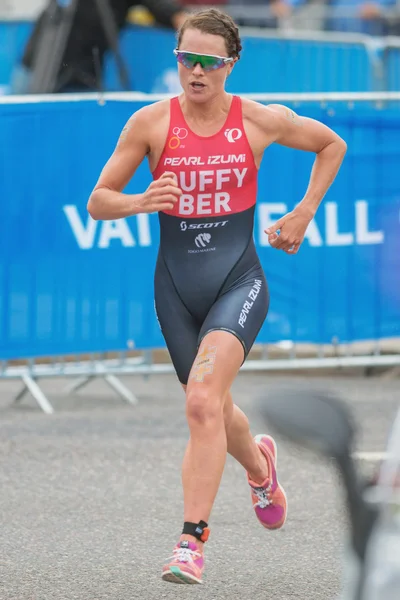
{"points": [[208, 111]]}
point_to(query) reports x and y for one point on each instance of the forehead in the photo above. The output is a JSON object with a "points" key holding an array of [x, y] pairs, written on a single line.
{"points": [[196, 41]]}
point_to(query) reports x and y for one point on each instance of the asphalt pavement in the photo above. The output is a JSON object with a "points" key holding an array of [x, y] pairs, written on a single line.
{"points": [[91, 499]]}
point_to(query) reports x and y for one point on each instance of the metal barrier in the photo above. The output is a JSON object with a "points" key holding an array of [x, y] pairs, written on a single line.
{"points": [[284, 60], [391, 57], [316, 16], [72, 286]]}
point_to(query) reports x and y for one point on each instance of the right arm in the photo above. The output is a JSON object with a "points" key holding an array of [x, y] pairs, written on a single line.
{"points": [[107, 202]]}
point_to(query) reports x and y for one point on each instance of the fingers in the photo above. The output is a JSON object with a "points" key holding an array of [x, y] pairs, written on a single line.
{"points": [[170, 198], [162, 202], [285, 243], [167, 174], [167, 184], [167, 190], [280, 242], [294, 249], [274, 228], [167, 178], [163, 206], [164, 182], [272, 238], [276, 240], [162, 194]]}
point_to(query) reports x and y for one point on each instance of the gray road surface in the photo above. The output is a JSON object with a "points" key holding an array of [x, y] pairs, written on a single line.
{"points": [[91, 500]]}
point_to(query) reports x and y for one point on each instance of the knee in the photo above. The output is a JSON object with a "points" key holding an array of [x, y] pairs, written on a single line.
{"points": [[203, 408]]}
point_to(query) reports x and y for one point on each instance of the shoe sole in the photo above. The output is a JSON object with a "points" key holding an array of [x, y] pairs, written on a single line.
{"points": [[258, 439], [176, 575]]}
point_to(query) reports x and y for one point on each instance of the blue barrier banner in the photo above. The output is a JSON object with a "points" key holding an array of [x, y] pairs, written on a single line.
{"points": [[267, 65], [69, 284], [13, 37], [393, 69]]}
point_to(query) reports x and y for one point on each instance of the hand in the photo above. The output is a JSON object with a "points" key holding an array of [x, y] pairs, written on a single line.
{"points": [[369, 11], [178, 19], [292, 228], [280, 9], [162, 194]]}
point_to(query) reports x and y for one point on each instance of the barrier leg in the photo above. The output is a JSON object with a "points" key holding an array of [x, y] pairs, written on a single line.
{"points": [[21, 394], [121, 389], [392, 373], [34, 389], [112, 381], [77, 384]]}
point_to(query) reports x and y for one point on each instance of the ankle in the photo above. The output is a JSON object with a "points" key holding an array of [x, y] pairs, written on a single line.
{"points": [[190, 538], [262, 472], [196, 533]]}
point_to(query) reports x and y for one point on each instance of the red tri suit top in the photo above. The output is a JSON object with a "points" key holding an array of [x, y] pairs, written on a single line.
{"points": [[217, 174], [206, 241], [208, 276]]}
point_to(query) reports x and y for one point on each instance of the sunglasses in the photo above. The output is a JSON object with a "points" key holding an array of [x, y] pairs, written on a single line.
{"points": [[208, 62]]}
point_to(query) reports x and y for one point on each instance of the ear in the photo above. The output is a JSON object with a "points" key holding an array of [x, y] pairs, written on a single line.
{"points": [[231, 65]]}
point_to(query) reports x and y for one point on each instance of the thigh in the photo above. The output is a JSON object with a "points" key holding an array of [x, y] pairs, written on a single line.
{"points": [[241, 311], [216, 365], [180, 330]]}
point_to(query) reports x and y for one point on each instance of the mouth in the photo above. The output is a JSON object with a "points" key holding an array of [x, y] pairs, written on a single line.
{"points": [[197, 86]]}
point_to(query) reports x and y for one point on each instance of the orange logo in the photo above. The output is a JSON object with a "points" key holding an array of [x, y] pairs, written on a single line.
{"points": [[174, 142], [204, 364], [180, 133]]}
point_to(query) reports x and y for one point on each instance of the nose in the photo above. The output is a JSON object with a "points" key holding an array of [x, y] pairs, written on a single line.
{"points": [[197, 69]]}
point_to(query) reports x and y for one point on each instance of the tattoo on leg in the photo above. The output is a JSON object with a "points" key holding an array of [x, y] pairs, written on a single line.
{"points": [[204, 364]]}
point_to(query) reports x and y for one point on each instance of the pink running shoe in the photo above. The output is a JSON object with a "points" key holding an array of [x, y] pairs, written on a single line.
{"points": [[269, 498], [186, 565]]}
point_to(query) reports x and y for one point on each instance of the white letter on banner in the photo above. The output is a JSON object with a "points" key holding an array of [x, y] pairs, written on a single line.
{"points": [[265, 212], [143, 225], [333, 237], [115, 230], [83, 235], [363, 236]]}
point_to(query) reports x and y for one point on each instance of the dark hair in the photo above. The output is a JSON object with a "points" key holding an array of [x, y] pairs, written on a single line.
{"points": [[215, 22]]}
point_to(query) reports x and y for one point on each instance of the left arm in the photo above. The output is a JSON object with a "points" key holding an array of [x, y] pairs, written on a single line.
{"points": [[285, 127]]}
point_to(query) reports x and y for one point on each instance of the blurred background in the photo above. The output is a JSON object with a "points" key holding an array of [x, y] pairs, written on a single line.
{"points": [[308, 45], [73, 71], [90, 497]]}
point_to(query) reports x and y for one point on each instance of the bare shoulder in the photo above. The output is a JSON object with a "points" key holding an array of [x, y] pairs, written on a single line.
{"points": [[142, 123], [280, 124], [267, 117], [151, 113]]}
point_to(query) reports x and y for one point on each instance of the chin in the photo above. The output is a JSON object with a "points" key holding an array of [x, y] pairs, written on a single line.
{"points": [[198, 97]]}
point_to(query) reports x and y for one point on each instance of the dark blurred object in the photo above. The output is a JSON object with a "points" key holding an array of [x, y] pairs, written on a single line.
{"points": [[360, 16], [323, 423], [394, 21], [83, 31], [201, 3], [263, 13]]}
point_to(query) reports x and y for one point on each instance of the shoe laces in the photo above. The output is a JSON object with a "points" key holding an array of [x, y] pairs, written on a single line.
{"points": [[185, 555], [264, 497]]}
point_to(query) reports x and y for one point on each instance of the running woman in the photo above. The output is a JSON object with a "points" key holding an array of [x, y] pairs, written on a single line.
{"points": [[204, 149]]}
